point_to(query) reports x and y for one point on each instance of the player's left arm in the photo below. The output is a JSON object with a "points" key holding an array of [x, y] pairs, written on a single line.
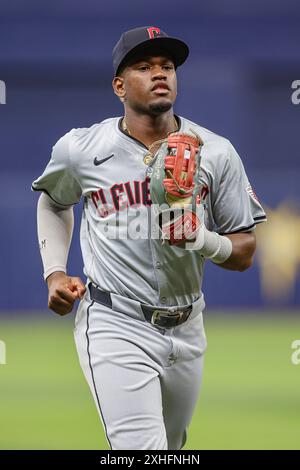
{"points": [[243, 249], [235, 211]]}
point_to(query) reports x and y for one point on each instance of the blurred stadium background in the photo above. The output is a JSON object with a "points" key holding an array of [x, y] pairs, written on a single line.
{"points": [[55, 58]]}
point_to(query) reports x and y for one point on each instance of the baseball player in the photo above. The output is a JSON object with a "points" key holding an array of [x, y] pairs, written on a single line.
{"points": [[139, 328]]}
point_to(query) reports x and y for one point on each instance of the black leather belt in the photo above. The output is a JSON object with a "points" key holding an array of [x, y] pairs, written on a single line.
{"points": [[162, 317]]}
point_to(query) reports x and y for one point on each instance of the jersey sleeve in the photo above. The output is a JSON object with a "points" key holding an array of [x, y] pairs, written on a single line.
{"points": [[236, 207], [59, 179]]}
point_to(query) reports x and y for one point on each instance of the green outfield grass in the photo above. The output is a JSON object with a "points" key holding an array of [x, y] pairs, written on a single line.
{"points": [[250, 396]]}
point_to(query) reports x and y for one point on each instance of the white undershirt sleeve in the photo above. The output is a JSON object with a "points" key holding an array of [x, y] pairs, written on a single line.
{"points": [[55, 229]]}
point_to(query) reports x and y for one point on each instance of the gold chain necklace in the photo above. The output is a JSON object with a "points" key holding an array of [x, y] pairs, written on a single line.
{"points": [[150, 154], [125, 127]]}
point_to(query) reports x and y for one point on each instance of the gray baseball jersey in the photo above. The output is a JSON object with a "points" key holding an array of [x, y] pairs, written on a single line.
{"points": [[107, 168], [154, 374]]}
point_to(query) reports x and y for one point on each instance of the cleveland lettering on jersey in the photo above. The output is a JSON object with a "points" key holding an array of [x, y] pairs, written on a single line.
{"points": [[120, 196]]}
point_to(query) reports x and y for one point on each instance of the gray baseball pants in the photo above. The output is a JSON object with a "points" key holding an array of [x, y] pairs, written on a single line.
{"points": [[145, 380]]}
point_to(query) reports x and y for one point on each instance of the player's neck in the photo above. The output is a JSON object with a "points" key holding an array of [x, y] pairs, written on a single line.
{"points": [[148, 129]]}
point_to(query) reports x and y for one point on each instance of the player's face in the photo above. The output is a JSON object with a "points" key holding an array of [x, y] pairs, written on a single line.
{"points": [[150, 85]]}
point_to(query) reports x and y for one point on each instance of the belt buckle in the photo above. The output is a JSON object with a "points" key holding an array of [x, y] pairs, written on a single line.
{"points": [[163, 314]]}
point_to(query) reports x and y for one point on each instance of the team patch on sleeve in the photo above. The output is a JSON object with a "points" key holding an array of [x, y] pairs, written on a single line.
{"points": [[252, 193]]}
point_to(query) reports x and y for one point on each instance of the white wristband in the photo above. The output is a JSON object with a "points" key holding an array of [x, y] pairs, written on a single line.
{"points": [[224, 249], [211, 245]]}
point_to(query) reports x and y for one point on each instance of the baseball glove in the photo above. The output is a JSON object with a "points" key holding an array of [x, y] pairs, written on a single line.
{"points": [[174, 186]]}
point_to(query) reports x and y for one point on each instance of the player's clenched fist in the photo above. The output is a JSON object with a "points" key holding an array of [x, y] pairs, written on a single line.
{"points": [[63, 291]]}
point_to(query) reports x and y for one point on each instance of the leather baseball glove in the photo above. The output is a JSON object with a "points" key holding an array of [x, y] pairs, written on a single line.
{"points": [[174, 187]]}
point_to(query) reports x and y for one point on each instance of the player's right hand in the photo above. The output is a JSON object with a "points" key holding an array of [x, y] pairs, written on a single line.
{"points": [[63, 291]]}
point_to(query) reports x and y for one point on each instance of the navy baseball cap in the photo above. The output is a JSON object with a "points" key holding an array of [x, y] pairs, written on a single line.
{"points": [[135, 41]]}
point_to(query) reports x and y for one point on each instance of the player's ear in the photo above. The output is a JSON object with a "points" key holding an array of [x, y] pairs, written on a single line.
{"points": [[119, 88]]}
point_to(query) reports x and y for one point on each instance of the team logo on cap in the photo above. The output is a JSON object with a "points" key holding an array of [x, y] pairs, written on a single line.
{"points": [[153, 32]]}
